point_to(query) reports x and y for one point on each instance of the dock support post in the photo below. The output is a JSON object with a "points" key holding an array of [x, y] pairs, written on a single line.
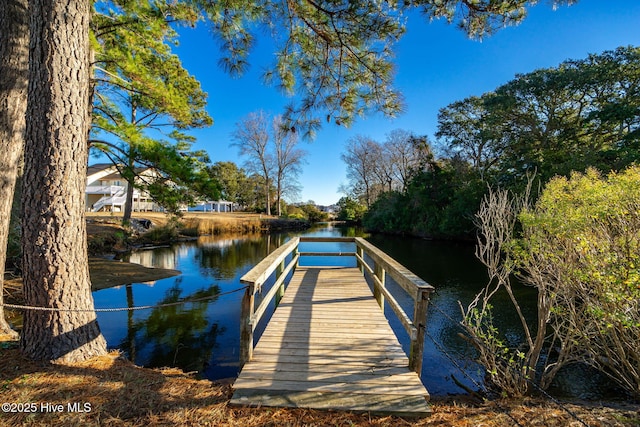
{"points": [[246, 327], [377, 292], [420, 320], [280, 292], [360, 253]]}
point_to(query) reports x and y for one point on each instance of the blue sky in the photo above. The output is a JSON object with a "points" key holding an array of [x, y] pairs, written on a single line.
{"points": [[436, 65]]}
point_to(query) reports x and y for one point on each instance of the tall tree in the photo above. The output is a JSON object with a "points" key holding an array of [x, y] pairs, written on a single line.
{"points": [[229, 178], [581, 113], [288, 160], [143, 94], [14, 68], [466, 127], [251, 136], [55, 262], [361, 167]]}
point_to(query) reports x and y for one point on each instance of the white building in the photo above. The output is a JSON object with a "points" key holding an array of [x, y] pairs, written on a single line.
{"points": [[212, 206], [107, 190]]}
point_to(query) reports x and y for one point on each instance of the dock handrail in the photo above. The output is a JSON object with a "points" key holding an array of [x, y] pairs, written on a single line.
{"points": [[418, 289], [254, 279], [383, 264]]}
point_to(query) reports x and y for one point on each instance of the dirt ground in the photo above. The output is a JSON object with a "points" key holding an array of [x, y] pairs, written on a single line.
{"points": [[107, 273], [111, 391]]}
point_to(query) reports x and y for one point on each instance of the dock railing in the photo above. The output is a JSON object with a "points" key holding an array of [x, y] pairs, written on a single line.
{"points": [[383, 264]]}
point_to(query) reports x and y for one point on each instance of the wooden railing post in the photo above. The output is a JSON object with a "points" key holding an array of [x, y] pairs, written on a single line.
{"points": [[420, 321], [360, 253], [246, 328], [280, 292], [377, 292]]}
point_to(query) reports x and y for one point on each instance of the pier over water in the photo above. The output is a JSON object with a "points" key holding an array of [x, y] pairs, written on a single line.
{"points": [[328, 344]]}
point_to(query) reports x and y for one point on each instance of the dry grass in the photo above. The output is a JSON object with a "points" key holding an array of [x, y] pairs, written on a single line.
{"points": [[121, 394], [209, 223], [202, 224]]}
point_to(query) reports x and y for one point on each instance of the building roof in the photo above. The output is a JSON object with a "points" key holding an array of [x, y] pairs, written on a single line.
{"points": [[98, 167], [115, 174]]}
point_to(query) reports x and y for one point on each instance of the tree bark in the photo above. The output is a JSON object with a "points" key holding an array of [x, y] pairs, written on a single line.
{"points": [[54, 246], [14, 68], [279, 195], [128, 203], [267, 195]]}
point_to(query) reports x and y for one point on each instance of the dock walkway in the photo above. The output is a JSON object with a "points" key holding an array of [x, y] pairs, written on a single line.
{"points": [[328, 345]]}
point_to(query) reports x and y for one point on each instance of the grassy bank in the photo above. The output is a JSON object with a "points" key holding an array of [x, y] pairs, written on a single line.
{"points": [[213, 224], [114, 392], [104, 228]]}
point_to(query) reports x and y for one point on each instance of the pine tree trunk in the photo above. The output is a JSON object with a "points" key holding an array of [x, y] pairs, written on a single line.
{"points": [[14, 68], [128, 203], [54, 244]]}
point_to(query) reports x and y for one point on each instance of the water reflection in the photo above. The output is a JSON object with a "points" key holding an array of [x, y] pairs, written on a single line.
{"points": [[159, 258], [221, 257], [174, 334], [204, 336]]}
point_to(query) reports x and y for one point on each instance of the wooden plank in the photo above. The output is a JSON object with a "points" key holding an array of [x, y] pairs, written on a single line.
{"points": [[327, 253], [328, 346], [304, 239], [409, 281], [321, 369], [369, 362], [338, 353], [350, 377], [404, 406], [258, 274], [322, 339], [315, 346], [365, 387]]}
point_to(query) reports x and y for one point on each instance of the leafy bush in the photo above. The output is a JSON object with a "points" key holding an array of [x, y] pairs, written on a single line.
{"points": [[585, 233], [579, 246], [350, 210]]}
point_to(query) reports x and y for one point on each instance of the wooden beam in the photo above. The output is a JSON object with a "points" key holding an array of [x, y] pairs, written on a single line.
{"points": [[259, 274], [409, 281], [327, 239], [327, 253], [257, 315]]}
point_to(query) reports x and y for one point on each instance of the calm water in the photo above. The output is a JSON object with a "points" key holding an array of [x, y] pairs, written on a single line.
{"points": [[204, 336]]}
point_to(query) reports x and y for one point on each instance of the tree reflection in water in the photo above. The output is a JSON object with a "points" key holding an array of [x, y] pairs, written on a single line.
{"points": [[176, 336], [222, 257]]}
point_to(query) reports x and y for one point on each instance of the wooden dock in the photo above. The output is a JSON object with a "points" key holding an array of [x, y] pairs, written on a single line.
{"points": [[329, 346]]}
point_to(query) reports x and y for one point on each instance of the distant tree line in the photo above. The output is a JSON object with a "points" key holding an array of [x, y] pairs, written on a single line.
{"points": [[583, 113]]}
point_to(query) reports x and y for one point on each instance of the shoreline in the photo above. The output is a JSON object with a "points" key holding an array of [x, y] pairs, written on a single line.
{"points": [[125, 394]]}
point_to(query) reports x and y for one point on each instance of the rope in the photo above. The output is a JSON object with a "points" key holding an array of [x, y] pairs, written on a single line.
{"points": [[547, 395], [108, 310]]}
